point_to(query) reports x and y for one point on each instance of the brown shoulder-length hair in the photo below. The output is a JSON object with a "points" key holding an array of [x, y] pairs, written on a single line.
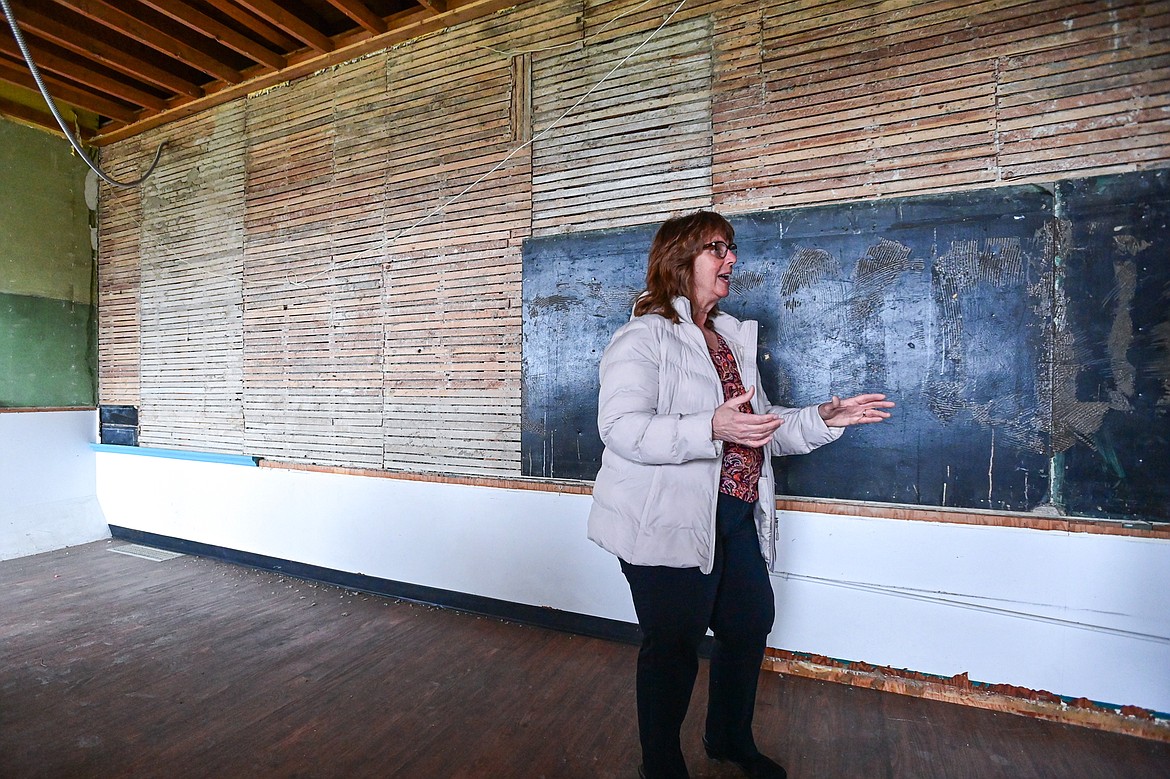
{"points": [[672, 261]]}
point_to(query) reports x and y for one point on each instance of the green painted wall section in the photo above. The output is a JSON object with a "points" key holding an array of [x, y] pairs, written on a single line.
{"points": [[45, 352], [48, 351]]}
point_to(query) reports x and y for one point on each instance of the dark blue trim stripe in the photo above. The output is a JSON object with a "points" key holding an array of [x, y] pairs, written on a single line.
{"points": [[177, 454], [537, 616]]}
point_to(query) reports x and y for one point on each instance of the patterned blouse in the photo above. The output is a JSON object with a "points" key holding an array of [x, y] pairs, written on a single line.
{"points": [[741, 464]]}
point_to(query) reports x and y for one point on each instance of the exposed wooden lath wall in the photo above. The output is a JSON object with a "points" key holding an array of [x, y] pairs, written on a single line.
{"points": [[313, 278], [452, 312], [293, 306], [855, 101], [639, 149], [190, 307], [119, 283], [1096, 100]]}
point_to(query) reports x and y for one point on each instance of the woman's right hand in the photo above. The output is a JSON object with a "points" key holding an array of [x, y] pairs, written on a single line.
{"points": [[731, 424]]}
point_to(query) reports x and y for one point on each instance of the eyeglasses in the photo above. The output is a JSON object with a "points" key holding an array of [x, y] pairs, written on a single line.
{"points": [[720, 248]]}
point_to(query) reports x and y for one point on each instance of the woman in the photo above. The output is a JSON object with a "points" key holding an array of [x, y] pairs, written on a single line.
{"points": [[685, 494]]}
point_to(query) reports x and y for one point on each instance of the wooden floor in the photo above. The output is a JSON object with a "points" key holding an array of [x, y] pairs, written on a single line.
{"points": [[115, 666]]}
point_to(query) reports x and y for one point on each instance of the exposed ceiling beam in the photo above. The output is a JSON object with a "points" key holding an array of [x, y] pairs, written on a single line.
{"points": [[69, 37], [272, 36], [128, 66], [290, 23], [361, 13], [33, 116], [18, 75], [226, 36], [119, 20], [50, 63]]}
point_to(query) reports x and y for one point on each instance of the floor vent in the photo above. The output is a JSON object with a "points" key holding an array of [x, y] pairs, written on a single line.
{"points": [[145, 552]]}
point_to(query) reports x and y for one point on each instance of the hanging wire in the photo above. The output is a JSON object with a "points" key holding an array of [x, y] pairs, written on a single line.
{"points": [[36, 74]]}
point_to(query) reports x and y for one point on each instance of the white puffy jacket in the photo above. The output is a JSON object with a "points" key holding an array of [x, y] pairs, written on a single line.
{"points": [[654, 498]]}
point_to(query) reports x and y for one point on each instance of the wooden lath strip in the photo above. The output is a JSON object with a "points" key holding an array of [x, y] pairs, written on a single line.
{"points": [[191, 270], [119, 285], [874, 78], [949, 40], [313, 329], [663, 89]]}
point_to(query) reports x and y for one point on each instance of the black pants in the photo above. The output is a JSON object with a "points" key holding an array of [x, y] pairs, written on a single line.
{"points": [[675, 606]]}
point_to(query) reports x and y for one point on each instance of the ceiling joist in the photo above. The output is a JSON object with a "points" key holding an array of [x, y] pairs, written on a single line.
{"points": [[138, 64]]}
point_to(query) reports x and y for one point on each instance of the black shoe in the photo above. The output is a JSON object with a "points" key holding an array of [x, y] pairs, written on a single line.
{"points": [[642, 772], [757, 766]]}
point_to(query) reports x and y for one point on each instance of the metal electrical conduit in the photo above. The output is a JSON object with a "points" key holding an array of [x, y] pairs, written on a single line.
{"points": [[36, 74]]}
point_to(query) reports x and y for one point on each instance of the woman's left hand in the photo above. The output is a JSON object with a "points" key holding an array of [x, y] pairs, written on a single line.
{"points": [[857, 410]]}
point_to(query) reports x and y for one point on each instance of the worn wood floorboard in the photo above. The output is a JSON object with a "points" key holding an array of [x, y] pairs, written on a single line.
{"points": [[114, 666]]}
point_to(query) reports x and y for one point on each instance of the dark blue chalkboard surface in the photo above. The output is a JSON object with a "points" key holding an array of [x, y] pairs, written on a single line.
{"points": [[1113, 415], [967, 308]]}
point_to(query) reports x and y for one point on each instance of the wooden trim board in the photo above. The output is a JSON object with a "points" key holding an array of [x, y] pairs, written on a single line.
{"points": [[875, 510], [1127, 720]]}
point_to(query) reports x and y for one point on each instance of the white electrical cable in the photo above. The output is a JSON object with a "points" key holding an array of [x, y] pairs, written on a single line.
{"points": [[36, 74]]}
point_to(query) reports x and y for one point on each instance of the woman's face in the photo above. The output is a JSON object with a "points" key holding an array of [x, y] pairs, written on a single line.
{"points": [[711, 274]]}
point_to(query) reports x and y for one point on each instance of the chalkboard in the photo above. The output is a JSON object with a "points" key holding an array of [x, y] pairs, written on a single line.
{"points": [[1115, 416], [964, 307]]}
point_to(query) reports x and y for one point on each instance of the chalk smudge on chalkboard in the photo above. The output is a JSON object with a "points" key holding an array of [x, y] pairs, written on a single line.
{"points": [[1121, 334], [1075, 420], [555, 302], [807, 268], [1160, 369], [1128, 244], [747, 280], [983, 281], [619, 297], [995, 261], [876, 273]]}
